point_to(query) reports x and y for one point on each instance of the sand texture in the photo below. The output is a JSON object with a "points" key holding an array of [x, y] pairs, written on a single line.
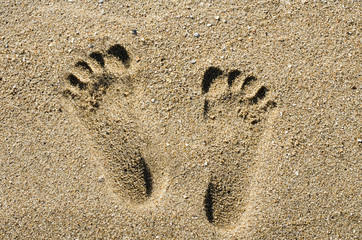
{"points": [[180, 119]]}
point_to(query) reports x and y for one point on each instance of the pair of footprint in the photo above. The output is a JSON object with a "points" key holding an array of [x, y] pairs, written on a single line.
{"points": [[226, 95]]}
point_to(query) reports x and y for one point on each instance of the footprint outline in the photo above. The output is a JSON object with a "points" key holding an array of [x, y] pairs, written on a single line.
{"points": [[86, 84], [251, 98]]}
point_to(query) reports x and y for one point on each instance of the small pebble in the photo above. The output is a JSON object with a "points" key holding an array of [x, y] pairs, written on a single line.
{"points": [[134, 31], [192, 61], [101, 179], [153, 100], [100, 1], [90, 46], [6, 46], [217, 17], [359, 140], [196, 35]]}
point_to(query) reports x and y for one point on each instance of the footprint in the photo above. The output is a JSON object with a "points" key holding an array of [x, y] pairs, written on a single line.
{"points": [[226, 94], [100, 89], [236, 107]]}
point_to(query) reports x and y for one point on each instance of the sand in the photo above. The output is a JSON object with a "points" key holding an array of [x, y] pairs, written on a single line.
{"points": [[180, 120]]}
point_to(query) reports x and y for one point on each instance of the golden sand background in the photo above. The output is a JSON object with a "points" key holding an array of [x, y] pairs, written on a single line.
{"points": [[295, 173]]}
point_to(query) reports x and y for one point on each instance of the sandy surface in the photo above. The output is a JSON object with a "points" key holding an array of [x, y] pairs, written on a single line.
{"points": [[180, 120]]}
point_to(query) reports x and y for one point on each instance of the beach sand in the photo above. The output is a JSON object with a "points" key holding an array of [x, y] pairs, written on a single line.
{"points": [[180, 120]]}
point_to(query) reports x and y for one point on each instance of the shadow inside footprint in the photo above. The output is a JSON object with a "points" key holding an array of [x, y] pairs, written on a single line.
{"points": [[98, 57], [75, 82], [232, 76], [208, 203], [121, 53], [209, 76], [224, 201], [84, 65], [130, 173], [260, 94], [147, 178]]}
